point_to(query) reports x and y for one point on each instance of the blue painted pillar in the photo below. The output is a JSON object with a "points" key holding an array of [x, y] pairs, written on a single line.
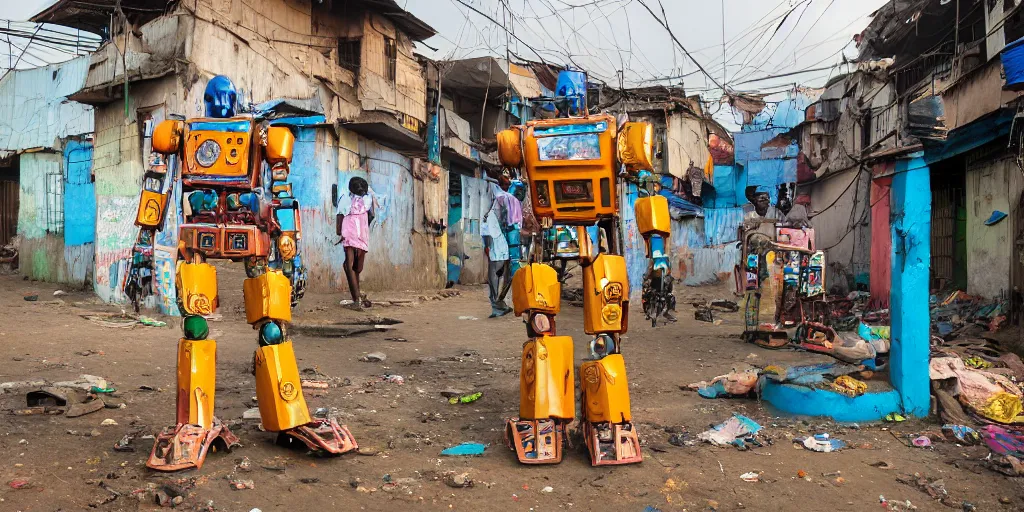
{"points": [[911, 217]]}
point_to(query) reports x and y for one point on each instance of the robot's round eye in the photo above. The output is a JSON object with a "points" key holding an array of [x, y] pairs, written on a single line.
{"points": [[208, 98], [207, 153]]}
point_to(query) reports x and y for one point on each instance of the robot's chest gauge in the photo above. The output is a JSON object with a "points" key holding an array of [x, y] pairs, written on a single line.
{"points": [[219, 151]]}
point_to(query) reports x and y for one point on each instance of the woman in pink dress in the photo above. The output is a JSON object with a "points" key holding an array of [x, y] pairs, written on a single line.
{"points": [[354, 215]]}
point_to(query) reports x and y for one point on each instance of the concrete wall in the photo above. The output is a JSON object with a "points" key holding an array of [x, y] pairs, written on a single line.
{"points": [[42, 224], [991, 185], [118, 168], [842, 225]]}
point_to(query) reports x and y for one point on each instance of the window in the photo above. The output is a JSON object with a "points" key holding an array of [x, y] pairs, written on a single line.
{"points": [[349, 51], [55, 202], [391, 58]]}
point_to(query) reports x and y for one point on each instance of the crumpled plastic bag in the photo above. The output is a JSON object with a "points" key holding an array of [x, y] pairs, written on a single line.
{"points": [[727, 432]]}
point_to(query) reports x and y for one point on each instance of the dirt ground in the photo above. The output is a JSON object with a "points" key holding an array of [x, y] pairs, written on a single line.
{"points": [[69, 463]]}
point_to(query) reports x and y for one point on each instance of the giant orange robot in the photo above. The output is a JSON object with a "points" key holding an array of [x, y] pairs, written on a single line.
{"points": [[576, 167], [233, 172]]}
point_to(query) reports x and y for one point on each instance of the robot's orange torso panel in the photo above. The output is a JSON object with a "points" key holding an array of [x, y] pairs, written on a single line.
{"points": [[571, 167], [222, 152]]}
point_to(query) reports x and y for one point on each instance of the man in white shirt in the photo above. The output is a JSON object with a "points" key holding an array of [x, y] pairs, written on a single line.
{"points": [[496, 249]]}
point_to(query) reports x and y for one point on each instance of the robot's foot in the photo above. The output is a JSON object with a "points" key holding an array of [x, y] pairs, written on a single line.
{"points": [[323, 436], [612, 443], [185, 446], [536, 441]]}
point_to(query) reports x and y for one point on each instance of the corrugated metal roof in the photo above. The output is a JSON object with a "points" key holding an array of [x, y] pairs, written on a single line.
{"points": [[35, 103]]}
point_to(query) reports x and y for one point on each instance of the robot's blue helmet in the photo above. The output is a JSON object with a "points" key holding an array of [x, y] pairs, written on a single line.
{"points": [[220, 97], [572, 85]]}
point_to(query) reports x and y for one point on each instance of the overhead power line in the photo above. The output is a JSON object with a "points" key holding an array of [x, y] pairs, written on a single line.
{"points": [[496, 23], [664, 24]]}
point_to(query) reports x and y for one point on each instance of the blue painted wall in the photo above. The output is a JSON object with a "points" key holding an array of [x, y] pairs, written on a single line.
{"points": [[911, 258], [79, 194]]}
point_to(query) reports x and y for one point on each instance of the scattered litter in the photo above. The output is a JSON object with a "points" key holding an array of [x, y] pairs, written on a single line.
{"points": [[882, 465], [58, 293], [751, 477], [125, 444], [31, 298], [821, 443], [400, 340], [393, 379], [251, 414], [244, 465], [732, 384], [922, 442], [102, 390], [151, 322], [801, 473], [20, 483], [374, 357], [465, 399], [315, 384], [934, 488], [894, 417], [467, 317], [733, 431], [108, 423], [464, 449], [458, 481], [849, 386], [309, 480], [239, 484], [548, 489], [680, 439], [82, 409]]}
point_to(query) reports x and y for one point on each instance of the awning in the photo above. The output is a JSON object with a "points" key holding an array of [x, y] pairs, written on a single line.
{"points": [[385, 128]]}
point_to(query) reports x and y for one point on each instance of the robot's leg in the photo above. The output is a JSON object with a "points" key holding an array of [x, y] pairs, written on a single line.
{"points": [[607, 422], [278, 388], [546, 382], [185, 445]]}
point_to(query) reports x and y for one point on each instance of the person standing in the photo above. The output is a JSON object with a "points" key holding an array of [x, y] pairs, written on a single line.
{"points": [[496, 247], [354, 215]]}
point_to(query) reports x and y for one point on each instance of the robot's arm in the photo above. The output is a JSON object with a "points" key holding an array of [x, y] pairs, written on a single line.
{"points": [[157, 187], [158, 181], [277, 152]]}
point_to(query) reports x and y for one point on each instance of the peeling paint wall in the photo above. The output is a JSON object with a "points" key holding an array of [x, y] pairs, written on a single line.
{"points": [[991, 185], [686, 143], [118, 168], [41, 223]]}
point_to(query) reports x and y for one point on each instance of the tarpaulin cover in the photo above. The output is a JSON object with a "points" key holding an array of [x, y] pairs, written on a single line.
{"points": [[770, 174], [720, 225], [1013, 64]]}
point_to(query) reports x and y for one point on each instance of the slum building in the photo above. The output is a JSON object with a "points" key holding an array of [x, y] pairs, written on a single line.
{"points": [[947, 97], [47, 204], [342, 74]]}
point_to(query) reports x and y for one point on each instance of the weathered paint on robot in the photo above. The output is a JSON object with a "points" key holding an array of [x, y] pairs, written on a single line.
{"points": [[232, 169], [572, 164]]}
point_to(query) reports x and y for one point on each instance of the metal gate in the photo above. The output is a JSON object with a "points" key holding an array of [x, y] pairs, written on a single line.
{"points": [[944, 203], [8, 211]]}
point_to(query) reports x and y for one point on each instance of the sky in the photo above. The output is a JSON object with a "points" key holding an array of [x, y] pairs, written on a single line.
{"points": [[605, 37]]}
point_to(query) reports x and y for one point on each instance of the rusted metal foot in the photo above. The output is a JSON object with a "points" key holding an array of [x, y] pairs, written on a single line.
{"points": [[324, 436], [185, 446], [536, 441], [612, 443]]}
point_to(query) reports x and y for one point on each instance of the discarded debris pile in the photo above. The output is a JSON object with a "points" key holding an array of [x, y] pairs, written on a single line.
{"points": [[960, 315], [72, 398]]}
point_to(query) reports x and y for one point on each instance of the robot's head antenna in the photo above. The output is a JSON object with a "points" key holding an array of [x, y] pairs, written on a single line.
{"points": [[220, 97]]}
